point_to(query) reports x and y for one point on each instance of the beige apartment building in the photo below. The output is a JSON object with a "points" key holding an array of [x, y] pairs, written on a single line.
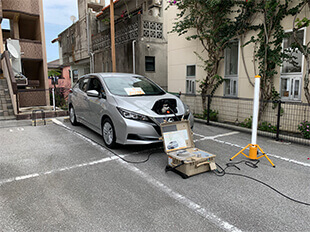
{"points": [[185, 68], [22, 44]]}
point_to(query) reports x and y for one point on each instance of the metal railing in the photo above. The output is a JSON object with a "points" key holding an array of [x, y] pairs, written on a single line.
{"points": [[288, 121], [12, 85]]}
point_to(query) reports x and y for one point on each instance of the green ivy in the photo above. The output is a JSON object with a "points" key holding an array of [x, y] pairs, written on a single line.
{"points": [[210, 23], [270, 35]]}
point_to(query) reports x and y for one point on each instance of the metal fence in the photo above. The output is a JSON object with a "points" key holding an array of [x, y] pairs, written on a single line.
{"points": [[288, 121]]}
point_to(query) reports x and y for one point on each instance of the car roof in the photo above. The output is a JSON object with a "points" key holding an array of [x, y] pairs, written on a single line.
{"points": [[103, 75]]}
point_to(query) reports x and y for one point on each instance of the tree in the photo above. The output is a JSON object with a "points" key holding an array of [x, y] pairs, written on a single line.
{"points": [[304, 49], [214, 26], [269, 39]]}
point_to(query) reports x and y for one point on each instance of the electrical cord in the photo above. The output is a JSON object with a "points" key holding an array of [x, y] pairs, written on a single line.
{"points": [[134, 162], [174, 113], [110, 150], [252, 165]]}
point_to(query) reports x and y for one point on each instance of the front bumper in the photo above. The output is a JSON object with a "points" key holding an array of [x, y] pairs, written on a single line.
{"points": [[139, 132]]}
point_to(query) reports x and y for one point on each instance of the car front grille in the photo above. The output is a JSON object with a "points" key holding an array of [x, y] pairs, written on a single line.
{"points": [[139, 137], [170, 119]]}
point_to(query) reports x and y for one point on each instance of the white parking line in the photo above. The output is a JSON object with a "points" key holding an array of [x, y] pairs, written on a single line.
{"points": [[211, 217], [183, 200], [203, 137], [174, 195], [236, 145], [34, 175]]}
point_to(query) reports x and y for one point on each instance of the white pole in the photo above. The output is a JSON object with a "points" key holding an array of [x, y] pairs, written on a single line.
{"points": [[255, 109], [133, 57], [54, 105]]}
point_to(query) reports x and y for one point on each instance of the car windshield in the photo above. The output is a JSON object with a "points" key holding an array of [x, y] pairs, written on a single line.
{"points": [[132, 86]]}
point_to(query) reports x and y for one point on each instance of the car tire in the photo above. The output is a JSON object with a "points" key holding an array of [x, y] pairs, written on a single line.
{"points": [[72, 116], [108, 133]]}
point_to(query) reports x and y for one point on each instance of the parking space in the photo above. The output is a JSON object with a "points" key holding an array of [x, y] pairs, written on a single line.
{"points": [[61, 178]]}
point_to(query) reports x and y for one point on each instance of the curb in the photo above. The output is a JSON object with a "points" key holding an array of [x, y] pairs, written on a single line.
{"points": [[262, 133]]}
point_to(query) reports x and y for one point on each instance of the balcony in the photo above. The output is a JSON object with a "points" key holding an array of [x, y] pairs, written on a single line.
{"points": [[31, 49], [24, 6]]}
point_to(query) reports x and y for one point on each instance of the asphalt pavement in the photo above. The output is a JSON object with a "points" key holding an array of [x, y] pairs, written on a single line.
{"points": [[61, 178]]}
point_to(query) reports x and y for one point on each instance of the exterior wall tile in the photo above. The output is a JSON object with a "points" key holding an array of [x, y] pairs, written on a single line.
{"points": [[31, 50], [26, 6]]}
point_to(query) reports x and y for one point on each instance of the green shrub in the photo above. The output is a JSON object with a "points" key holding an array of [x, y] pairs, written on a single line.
{"points": [[60, 99], [266, 126], [247, 122], [304, 128], [213, 115]]}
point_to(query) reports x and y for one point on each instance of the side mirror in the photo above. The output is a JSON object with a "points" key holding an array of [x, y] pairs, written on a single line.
{"points": [[92, 93]]}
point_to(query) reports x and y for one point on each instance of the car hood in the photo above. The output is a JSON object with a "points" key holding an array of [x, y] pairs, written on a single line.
{"points": [[144, 104]]}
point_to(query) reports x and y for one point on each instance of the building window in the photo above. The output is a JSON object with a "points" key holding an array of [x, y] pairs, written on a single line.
{"points": [[191, 79], [231, 69], [150, 63], [291, 71], [75, 73]]}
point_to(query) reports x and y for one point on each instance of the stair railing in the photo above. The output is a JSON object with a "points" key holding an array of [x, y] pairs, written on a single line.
{"points": [[9, 75]]}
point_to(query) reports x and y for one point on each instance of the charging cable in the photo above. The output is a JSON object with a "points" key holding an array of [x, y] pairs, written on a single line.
{"points": [[252, 165]]}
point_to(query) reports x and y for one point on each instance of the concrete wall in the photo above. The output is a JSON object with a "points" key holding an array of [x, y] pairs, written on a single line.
{"points": [[126, 31]]}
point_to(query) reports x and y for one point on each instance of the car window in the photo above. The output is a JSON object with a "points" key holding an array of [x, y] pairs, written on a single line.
{"points": [[132, 86], [83, 84], [94, 84]]}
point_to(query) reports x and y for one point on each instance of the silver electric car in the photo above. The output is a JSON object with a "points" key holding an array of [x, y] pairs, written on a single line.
{"points": [[124, 108]]}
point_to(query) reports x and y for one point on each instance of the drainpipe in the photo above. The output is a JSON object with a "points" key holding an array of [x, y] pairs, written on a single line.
{"points": [[92, 63], [88, 42], [133, 57]]}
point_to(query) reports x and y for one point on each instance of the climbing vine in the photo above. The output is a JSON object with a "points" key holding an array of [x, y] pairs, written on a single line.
{"points": [[212, 23], [304, 49], [269, 54]]}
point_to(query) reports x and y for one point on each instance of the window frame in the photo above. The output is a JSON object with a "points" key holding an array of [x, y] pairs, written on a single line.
{"points": [[84, 85], [92, 78], [292, 76], [190, 82], [154, 64], [231, 77]]}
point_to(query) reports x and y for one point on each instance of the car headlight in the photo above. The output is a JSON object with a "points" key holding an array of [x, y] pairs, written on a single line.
{"points": [[131, 115], [187, 110]]}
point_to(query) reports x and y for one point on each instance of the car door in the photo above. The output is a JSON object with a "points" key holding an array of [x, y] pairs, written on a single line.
{"points": [[80, 103], [96, 105]]}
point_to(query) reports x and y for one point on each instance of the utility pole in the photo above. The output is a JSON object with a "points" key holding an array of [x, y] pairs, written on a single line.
{"points": [[112, 36]]}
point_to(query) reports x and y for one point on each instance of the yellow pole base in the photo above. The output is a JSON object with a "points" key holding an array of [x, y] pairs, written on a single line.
{"points": [[253, 153]]}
